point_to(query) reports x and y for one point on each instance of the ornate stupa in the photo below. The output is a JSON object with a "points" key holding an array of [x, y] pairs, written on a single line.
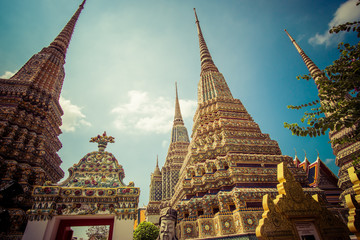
{"points": [[155, 196], [345, 153], [162, 186], [30, 120], [94, 187], [176, 153], [230, 165]]}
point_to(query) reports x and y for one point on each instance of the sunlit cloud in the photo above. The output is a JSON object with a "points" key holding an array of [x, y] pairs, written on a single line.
{"points": [[7, 75], [73, 117], [347, 12], [329, 160], [165, 143], [148, 114]]}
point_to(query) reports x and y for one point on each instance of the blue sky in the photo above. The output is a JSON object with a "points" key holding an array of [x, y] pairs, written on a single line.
{"points": [[125, 57]]}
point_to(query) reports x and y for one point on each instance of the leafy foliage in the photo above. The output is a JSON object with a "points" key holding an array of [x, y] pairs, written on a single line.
{"points": [[146, 231], [339, 87]]}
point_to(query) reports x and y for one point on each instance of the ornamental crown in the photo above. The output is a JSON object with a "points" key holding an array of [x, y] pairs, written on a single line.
{"points": [[102, 140]]}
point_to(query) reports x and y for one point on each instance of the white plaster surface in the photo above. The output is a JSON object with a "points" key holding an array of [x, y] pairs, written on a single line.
{"points": [[123, 229], [35, 230], [46, 230]]}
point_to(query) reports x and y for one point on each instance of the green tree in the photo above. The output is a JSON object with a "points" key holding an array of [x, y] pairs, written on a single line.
{"points": [[339, 87], [146, 231]]}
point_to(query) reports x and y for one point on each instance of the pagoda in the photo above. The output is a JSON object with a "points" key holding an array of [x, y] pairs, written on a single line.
{"points": [[230, 164], [345, 153], [155, 196], [176, 153], [163, 183], [93, 194], [30, 120]]}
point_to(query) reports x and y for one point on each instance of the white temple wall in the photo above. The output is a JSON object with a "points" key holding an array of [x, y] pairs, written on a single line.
{"points": [[47, 230], [123, 229], [35, 230]]}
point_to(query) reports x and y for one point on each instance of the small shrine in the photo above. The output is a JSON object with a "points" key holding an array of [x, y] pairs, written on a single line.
{"points": [[295, 215], [93, 194]]}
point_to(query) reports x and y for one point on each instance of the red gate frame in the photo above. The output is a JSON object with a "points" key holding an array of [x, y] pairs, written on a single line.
{"points": [[64, 223]]}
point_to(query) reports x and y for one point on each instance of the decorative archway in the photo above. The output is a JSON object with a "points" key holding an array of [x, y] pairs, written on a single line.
{"points": [[68, 223], [94, 192]]}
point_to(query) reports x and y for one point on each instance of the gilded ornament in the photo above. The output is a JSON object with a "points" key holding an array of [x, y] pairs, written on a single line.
{"points": [[67, 192]]}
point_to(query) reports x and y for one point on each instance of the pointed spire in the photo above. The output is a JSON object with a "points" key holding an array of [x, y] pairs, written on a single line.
{"points": [[157, 169], [61, 42], [296, 159], [318, 156], [177, 116], [305, 159], [179, 132], [315, 72], [207, 64]]}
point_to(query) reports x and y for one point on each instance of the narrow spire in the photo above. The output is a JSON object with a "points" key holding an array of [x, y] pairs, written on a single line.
{"points": [[177, 116], [157, 169], [61, 42], [318, 156], [315, 72], [179, 132], [207, 64], [305, 153]]}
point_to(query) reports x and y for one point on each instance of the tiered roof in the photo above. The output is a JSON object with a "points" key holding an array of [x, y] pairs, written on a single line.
{"points": [[230, 165], [176, 153]]}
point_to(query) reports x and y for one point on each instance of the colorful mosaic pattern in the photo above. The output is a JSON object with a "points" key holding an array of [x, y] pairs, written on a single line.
{"points": [[227, 225], [30, 120], [95, 186], [188, 230], [230, 164], [174, 160], [206, 228]]}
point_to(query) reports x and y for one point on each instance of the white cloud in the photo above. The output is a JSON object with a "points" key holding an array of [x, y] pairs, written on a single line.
{"points": [[146, 114], [187, 108], [329, 160], [347, 12], [73, 117], [164, 143], [7, 75]]}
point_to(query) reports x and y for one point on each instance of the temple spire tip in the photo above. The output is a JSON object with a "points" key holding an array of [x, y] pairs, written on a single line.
{"points": [[315, 72], [207, 64], [196, 18], [62, 41], [177, 116], [157, 169]]}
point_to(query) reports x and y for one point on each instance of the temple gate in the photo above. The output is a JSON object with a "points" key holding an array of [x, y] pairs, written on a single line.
{"points": [[93, 194]]}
